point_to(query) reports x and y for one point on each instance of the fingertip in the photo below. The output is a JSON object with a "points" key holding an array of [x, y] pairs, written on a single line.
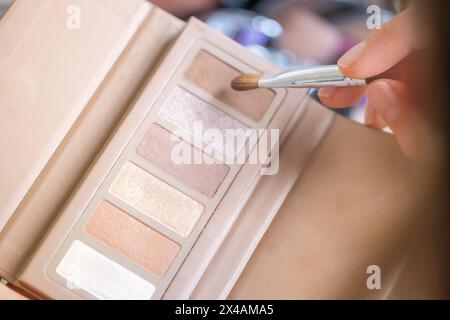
{"points": [[327, 93], [341, 97], [326, 102], [352, 56]]}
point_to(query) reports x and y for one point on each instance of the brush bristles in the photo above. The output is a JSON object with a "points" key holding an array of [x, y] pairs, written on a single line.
{"points": [[245, 82]]}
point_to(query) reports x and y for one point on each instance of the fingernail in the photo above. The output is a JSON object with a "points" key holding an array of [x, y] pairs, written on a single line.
{"points": [[389, 109], [327, 92], [352, 55]]}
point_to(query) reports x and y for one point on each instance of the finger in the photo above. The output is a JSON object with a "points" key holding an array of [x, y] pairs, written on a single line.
{"points": [[373, 119], [390, 99], [341, 97], [382, 49]]}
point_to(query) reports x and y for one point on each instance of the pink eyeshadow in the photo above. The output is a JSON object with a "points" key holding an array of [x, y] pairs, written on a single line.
{"points": [[156, 147]]}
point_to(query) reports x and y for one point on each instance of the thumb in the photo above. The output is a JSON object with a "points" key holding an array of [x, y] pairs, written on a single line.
{"points": [[383, 49]]}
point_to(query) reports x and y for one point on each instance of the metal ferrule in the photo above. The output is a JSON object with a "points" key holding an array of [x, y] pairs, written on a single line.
{"points": [[315, 77]]}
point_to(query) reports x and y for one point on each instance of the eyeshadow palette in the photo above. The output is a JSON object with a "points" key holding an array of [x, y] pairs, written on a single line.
{"points": [[142, 217]]}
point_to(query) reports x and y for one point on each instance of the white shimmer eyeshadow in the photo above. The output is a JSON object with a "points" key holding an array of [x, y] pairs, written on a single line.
{"points": [[85, 268]]}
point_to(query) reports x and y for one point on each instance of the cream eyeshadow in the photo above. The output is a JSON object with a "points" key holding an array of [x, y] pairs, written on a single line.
{"points": [[157, 199]]}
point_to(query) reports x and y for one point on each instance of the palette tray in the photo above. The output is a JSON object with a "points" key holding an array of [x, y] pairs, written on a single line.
{"points": [[139, 218]]}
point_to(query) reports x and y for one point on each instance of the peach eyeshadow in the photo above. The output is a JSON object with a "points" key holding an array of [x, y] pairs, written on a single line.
{"points": [[135, 240]]}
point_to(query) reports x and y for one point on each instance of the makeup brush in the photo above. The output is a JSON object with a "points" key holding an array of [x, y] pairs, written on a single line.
{"points": [[314, 77]]}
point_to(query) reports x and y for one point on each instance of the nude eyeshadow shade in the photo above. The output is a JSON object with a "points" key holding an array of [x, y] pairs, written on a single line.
{"points": [[132, 238], [252, 103], [158, 146]]}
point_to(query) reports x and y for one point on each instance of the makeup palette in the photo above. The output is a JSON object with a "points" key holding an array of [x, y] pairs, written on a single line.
{"points": [[143, 218], [128, 163]]}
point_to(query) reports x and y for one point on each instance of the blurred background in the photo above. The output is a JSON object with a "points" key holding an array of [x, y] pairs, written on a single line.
{"points": [[289, 33]]}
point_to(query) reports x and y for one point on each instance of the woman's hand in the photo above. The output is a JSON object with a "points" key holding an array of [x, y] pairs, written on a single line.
{"points": [[392, 103]]}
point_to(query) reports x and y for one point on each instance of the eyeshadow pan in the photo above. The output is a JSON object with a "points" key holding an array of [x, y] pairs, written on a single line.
{"points": [[214, 76], [157, 199], [157, 146], [184, 110], [93, 272], [125, 234]]}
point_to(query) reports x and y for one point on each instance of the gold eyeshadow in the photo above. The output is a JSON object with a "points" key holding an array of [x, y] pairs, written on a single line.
{"points": [[155, 198]]}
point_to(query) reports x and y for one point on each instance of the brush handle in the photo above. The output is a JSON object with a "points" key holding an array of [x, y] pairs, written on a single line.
{"points": [[331, 76], [315, 77]]}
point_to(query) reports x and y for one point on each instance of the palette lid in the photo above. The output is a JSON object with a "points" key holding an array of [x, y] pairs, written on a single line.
{"points": [[53, 57]]}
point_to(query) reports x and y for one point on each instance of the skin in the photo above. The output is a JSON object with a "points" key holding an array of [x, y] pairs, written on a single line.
{"points": [[393, 103]]}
